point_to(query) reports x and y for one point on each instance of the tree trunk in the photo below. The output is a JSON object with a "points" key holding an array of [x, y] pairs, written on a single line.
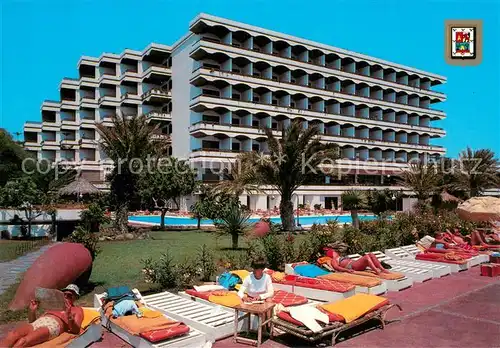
{"points": [[234, 240], [121, 220], [355, 218], [162, 220], [286, 213], [199, 222]]}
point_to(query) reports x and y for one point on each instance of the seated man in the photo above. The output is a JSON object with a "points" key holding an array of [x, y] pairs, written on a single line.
{"points": [[258, 285], [49, 325], [478, 238], [345, 264]]}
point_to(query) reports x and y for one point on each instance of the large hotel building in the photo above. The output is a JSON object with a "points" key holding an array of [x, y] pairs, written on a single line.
{"points": [[217, 89]]}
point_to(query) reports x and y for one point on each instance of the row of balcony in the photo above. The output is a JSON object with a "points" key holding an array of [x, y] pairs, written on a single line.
{"points": [[333, 62], [321, 88]]}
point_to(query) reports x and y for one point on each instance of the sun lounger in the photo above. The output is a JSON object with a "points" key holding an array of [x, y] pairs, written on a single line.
{"points": [[375, 288], [313, 288], [404, 258], [417, 274], [407, 255], [193, 338], [395, 284], [91, 332], [333, 329], [471, 262], [214, 321]]}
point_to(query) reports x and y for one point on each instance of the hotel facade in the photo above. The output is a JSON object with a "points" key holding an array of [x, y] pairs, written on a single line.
{"points": [[217, 89]]}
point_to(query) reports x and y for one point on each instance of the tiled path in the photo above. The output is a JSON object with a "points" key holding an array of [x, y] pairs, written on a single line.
{"points": [[460, 310], [10, 270]]}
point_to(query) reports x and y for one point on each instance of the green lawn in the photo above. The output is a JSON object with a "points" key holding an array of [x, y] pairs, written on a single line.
{"points": [[12, 249], [119, 263]]}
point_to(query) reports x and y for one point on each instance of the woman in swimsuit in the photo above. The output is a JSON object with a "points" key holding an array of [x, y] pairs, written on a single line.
{"points": [[49, 325], [345, 264]]}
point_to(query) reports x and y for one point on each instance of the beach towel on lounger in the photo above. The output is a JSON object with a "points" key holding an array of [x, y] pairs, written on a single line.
{"points": [[353, 278], [90, 316], [152, 327], [356, 306], [309, 270], [225, 298]]}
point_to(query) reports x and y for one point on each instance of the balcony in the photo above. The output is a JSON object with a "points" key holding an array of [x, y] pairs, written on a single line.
{"points": [[31, 126], [130, 97], [156, 71], [210, 46], [159, 115], [88, 143], [164, 137], [156, 94], [202, 75], [130, 73], [108, 99], [204, 101], [203, 128]]}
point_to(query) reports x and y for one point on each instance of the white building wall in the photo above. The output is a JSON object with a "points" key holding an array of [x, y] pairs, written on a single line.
{"points": [[182, 66]]}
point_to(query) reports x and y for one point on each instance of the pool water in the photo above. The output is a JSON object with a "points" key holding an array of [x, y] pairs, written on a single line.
{"points": [[303, 220]]}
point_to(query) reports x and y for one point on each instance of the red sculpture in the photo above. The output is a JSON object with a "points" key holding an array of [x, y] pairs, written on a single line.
{"points": [[56, 268]]}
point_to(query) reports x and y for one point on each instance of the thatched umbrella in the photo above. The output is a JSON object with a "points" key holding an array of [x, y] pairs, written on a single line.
{"points": [[446, 197], [79, 187], [480, 209]]}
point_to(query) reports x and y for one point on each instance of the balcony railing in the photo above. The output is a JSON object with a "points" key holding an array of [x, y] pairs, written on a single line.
{"points": [[107, 97], [304, 109], [320, 65], [129, 96], [156, 92], [165, 137], [361, 139], [369, 98], [158, 114]]}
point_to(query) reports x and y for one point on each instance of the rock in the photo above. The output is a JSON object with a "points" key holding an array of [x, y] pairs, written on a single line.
{"points": [[141, 236], [108, 238], [129, 236], [102, 239], [120, 237]]}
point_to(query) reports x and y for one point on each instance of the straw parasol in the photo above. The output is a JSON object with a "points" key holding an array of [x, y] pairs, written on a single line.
{"points": [[79, 187], [446, 197], [480, 209]]}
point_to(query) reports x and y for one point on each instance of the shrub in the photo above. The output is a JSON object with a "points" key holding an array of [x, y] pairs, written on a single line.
{"points": [[88, 239], [162, 272], [206, 263], [93, 216]]}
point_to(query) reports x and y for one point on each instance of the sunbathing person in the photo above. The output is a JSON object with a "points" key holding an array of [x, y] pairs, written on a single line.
{"points": [[258, 285], [477, 238], [49, 325], [345, 264]]}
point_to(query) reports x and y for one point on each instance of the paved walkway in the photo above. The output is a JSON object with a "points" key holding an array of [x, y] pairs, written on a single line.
{"points": [[10, 270]]}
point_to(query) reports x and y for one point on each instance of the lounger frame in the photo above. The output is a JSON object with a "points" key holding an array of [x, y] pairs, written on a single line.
{"points": [[332, 329], [374, 290], [416, 273], [92, 334], [402, 257], [473, 261], [406, 255], [193, 338], [411, 274], [214, 321]]}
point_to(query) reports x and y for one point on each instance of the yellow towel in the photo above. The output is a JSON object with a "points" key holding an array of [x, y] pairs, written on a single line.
{"points": [[386, 276], [242, 273], [89, 316], [150, 313], [229, 299], [354, 307], [278, 276]]}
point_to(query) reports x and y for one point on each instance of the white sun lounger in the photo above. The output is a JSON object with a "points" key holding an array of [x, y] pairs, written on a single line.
{"points": [[473, 261], [407, 255], [214, 321], [92, 334], [392, 285], [417, 274], [192, 339], [375, 290], [404, 258]]}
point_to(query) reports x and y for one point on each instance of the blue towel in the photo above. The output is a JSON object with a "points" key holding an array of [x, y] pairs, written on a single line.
{"points": [[125, 307], [309, 270], [440, 246]]}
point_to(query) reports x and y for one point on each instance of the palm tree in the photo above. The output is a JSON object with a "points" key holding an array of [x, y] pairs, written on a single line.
{"points": [[233, 221], [129, 144], [238, 178], [293, 161], [353, 201], [478, 171], [423, 179]]}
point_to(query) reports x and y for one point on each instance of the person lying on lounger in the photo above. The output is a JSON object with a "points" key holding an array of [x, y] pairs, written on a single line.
{"points": [[49, 325], [258, 286], [345, 264]]}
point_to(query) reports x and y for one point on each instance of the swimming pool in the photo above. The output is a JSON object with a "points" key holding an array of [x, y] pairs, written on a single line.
{"points": [[186, 221]]}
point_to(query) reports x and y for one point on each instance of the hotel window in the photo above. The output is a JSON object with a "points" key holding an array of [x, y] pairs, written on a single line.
{"points": [[235, 146], [256, 147]]}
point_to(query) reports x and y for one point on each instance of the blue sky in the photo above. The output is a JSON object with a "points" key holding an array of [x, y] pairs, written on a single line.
{"points": [[43, 40]]}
